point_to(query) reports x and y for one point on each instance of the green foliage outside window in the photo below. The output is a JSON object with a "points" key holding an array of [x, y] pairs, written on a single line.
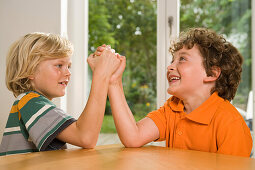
{"points": [[130, 28]]}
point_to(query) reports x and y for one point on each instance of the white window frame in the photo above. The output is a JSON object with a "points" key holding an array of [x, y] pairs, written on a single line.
{"points": [[253, 66], [77, 32], [165, 9]]}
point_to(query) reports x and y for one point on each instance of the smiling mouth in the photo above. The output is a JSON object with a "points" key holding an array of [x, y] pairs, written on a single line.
{"points": [[173, 78], [63, 83]]}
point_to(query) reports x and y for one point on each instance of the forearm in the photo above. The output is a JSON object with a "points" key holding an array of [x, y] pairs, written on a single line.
{"points": [[84, 132], [123, 118], [90, 121]]}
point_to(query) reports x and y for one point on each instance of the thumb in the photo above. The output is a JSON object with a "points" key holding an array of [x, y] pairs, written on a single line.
{"points": [[123, 60], [122, 64]]}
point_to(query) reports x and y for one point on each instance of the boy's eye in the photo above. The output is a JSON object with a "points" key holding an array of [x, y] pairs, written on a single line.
{"points": [[182, 59], [59, 65]]}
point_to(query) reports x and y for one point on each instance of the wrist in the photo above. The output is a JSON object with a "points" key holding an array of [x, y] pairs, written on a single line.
{"points": [[100, 76], [101, 73], [117, 83], [113, 88]]}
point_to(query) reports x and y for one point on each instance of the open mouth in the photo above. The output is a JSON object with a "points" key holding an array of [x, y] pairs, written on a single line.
{"points": [[173, 78], [63, 83]]}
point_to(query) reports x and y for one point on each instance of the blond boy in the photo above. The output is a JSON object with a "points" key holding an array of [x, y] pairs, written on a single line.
{"points": [[38, 70]]}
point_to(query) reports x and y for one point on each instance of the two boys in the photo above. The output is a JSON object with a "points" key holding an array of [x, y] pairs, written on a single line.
{"points": [[203, 77]]}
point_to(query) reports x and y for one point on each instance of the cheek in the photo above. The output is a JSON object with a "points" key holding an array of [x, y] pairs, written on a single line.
{"points": [[192, 73], [47, 76], [52, 72], [185, 71]]}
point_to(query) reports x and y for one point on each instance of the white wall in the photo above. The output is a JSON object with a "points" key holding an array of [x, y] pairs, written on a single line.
{"points": [[66, 17], [19, 17]]}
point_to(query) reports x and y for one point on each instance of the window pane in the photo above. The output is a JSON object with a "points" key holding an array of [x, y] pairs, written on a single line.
{"points": [[129, 26], [231, 18]]}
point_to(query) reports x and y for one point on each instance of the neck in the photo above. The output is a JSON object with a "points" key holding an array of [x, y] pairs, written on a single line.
{"points": [[193, 102]]}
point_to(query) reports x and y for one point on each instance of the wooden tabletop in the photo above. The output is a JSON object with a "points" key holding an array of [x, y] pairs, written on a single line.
{"points": [[117, 157]]}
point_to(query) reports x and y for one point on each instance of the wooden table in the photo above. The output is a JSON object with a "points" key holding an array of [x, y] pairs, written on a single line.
{"points": [[117, 157]]}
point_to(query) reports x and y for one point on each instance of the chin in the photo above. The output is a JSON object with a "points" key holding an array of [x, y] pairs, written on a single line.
{"points": [[62, 95], [170, 91], [174, 93]]}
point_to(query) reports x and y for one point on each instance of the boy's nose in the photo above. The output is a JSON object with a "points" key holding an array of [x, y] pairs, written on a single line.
{"points": [[68, 72], [170, 67]]}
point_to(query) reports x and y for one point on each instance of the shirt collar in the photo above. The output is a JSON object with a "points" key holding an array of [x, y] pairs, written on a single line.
{"points": [[175, 104], [204, 113]]}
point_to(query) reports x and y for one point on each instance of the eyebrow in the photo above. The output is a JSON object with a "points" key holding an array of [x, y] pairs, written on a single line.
{"points": [[184, 53], [181, 53], [63, 60]]}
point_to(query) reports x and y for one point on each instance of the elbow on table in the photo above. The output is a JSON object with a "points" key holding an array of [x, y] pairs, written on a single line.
{"points": [[88, 143], [88, 146], [132, 144]]}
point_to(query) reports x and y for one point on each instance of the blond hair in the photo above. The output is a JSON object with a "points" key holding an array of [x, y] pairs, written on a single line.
{"points": [[26, 53]]}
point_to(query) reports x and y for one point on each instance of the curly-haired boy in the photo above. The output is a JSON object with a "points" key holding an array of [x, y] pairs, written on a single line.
{"points": [[203, 78]]}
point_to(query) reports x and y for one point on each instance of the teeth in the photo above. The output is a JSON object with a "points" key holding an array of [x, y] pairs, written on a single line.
{"points": [[63, 83], [175, 78]]}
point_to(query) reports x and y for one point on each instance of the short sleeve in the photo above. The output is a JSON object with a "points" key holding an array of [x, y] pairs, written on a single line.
{"points": [[43, 122], [235, 139], [159, 118]]}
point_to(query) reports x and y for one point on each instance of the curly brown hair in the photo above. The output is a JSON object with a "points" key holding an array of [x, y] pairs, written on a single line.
{"points": [[216, 52]]}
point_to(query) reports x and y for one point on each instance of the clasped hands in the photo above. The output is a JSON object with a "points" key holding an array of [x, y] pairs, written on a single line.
{"points": [[106, 62]]}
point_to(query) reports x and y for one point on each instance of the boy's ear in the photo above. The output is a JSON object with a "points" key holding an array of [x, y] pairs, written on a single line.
{"points": [[216, 73], [31, 77]]}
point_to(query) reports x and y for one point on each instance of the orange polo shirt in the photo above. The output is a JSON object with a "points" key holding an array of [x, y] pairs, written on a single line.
{"points": [[215, 126]]}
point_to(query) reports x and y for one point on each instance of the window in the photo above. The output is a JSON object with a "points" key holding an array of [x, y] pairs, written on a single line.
{"points": [[130, 27]]}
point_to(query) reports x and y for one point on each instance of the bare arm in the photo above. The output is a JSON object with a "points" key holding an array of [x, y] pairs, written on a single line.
{"points": [[131, 133], [84, 132]]}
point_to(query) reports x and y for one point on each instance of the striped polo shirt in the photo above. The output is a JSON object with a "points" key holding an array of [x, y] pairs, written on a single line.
{"points": [[33, 124]]}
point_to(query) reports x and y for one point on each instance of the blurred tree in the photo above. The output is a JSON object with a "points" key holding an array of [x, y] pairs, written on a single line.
{"points": [[130, 28], [100, 30]]}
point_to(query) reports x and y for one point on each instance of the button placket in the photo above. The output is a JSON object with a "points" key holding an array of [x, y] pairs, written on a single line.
{"points": [[179, 129]]}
